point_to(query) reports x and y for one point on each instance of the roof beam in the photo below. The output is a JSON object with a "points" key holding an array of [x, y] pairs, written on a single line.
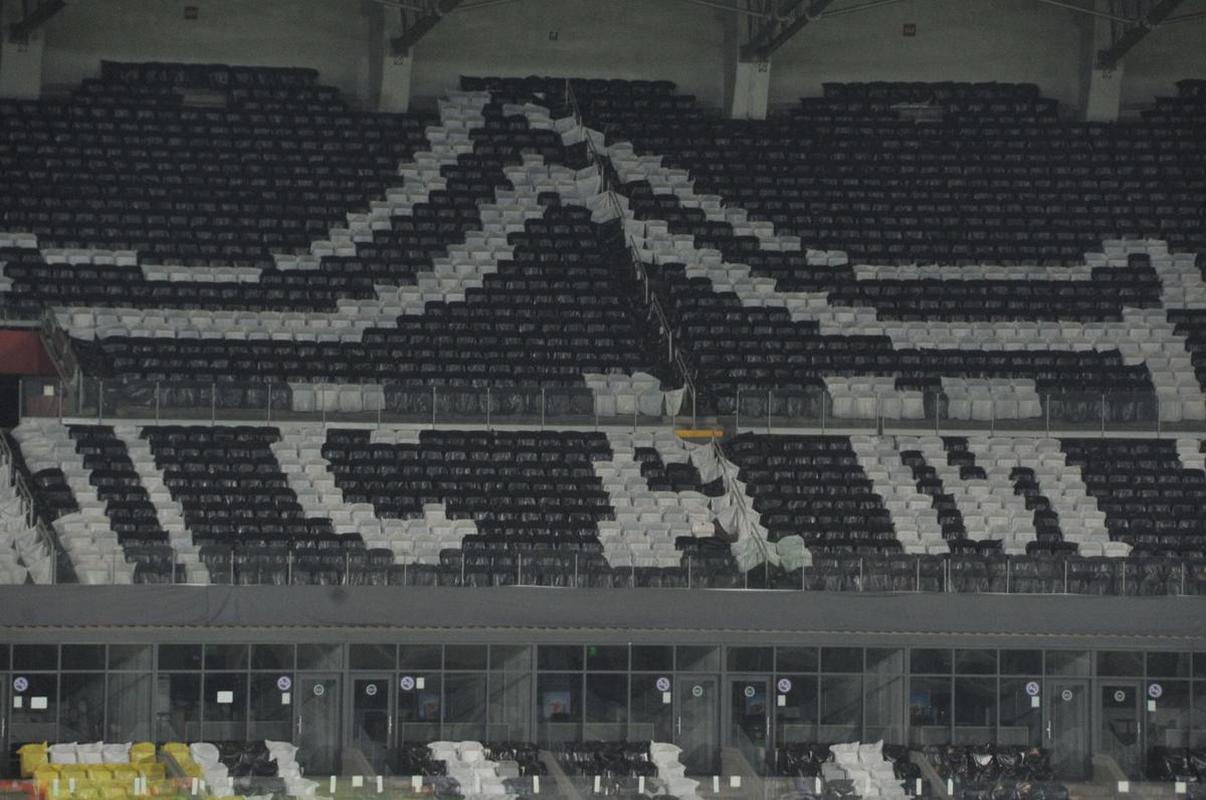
{"points": [[768, 40], [34, 19], [422, 26], [1109, 58]]}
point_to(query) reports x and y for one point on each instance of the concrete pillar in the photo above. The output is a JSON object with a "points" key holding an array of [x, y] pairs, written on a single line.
{"points": [[20, 61], [394, 94], [751, 90], [1103, 88]]}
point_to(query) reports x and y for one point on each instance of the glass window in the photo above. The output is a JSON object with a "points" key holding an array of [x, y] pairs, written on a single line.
{"points": [[83, 656], [1021, 717], [975, 710], [1168, 724], [4, 660], [82, 706], [178, 707], [976, 662], [510, 657], [606, 706], [180, 657], [559, 707], [372, 656], [884, 709], [35, 657], [510, 706], [276, 657], [225, 707], [1120, 662], [841, 659], [33, 712], [606, 658], [796, 659], [319, 656], [751, 659], [697, 659], [652, 718], [465, 705], [841, 707], [884, 661], [797, 718], [929, 662], [420, 708], [1199, 665], [1197, 736], [420, 656], [1067, 662], [129, 700], [929, 711], [1168, 665], [132, 657], [1021, 662], [652, 658], [226, 656], [271, 707], [465, 657], [559, 657]]}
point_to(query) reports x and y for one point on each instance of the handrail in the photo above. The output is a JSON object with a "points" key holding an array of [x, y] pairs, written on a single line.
{"points": [[58, 346], [673, 355], [29, 508], [738, 499]]}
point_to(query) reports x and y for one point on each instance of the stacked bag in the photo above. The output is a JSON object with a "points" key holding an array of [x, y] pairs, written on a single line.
{"points": [[467, 764], [866, 770], [997, 772], [671, 772], [94, 771]]}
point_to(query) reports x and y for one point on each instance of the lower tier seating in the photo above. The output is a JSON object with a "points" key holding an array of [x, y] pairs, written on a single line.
{"points": [[301, 503]]}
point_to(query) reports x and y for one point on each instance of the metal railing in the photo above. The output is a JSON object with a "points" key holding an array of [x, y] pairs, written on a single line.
{"points": [[29, 509], [601, 163]]}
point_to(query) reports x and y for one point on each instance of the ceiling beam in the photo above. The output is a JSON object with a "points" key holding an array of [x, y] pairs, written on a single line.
{"points": [[401, 45], [1112, 55], [34, 19], [768, 39]]}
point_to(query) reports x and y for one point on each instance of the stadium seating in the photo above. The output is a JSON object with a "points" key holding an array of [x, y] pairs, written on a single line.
{"points": [[306, 504]]}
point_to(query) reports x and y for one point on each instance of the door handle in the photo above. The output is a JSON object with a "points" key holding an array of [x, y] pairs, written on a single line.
{"points": [[299, 724], [389, 730], [678, 725], [1048, 730]]}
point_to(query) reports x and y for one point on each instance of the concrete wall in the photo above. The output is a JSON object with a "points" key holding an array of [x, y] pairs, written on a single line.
{"points": [[1168, 54], [329, 35], [1017, 41], [663, 39]]}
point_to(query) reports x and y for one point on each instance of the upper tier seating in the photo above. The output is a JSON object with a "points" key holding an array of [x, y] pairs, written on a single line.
{"points": [[460, 252], [782, 232], [305, 504]]}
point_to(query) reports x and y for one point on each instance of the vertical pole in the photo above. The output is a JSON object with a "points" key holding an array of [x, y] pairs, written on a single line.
{"points": [[543, 401], [769, 397], [1103, 415], [487, 408], [213, 402], [737, 423], [433, 407], [100, 401], [60, 390], [158, 402], [594, 394], [1047, 415], [21, 400], [938, 414], [694, 416], [824, 411], [268, 415], [635, 403]]}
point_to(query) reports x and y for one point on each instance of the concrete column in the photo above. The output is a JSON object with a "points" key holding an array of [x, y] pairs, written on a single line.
{"points": [[1103, 88], [394, 94], [751, 90], [20, 61]]}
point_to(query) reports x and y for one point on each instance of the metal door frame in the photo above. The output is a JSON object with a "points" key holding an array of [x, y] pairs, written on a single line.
{"points": [[299, 680], [682, 683], [1052, 686], [391, 707], [1139, 687], [726, 711]]}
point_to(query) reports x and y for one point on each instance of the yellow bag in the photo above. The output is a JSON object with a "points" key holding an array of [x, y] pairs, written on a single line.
{"points": [[143, 753], [45, 775], [152, 772], [114, 792], [86, 792], [33, 756], [124, 775], [98, 773]]}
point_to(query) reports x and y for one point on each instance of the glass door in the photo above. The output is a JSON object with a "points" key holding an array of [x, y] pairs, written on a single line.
{"points": [[1067, 728], [7, 768], [372, 721], [1120, 728], [748, 723], [318, 731], [697, 723]]}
